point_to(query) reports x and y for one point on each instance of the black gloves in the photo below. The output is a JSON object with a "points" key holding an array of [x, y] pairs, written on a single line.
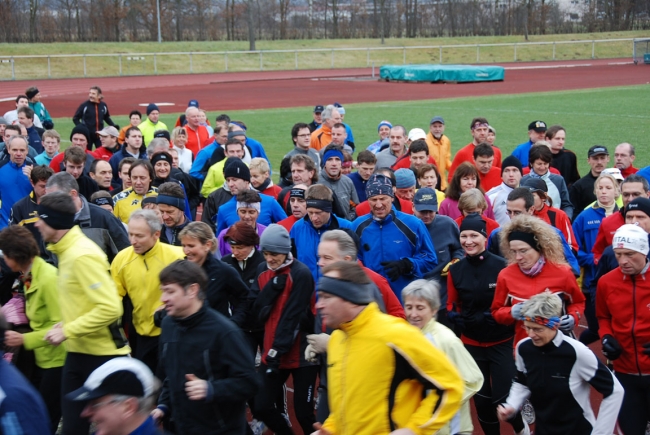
{"points": [[646, 349], [266, 299], [395, 269], [48, 125], [272, 363], [611, 348], [278, 282], [488, 319], [456, 318]]}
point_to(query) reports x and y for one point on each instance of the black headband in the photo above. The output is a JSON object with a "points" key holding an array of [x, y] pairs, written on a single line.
{"points": [[103, 201], [524, 237], [148, 200], [179, 203], [358, 294], [55, 219], [297, 193], [320, 204]]}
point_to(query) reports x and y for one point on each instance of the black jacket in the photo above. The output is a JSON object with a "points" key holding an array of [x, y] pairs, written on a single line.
{"points": [[170, 235], [211, 206], [226, 292], [87, 186], [567, 163], [103, 228], [93, 116], [249, 273], [211, 347], [475, 280], [582, 193], [24, 213]]}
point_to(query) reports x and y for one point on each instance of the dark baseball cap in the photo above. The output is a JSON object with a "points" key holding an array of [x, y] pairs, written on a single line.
{"points": [[596, 150], [162, 133], [437, 119], [425, 199], [319, 109], [538, 126], [535, 184]]}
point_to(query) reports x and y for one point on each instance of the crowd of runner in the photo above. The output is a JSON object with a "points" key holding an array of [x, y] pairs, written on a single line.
{"points": [[156, 280]]}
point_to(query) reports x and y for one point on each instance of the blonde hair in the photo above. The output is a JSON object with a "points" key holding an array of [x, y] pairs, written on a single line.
{"points": [[174, 133], [472, 199], [610, 177], [201, 232], [53, 134], [549, 243], [260, 164]]}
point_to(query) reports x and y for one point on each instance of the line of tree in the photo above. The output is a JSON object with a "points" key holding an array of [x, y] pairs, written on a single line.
{"points": [[232, 20]]}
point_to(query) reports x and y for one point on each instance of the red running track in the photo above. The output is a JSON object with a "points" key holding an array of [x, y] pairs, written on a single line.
{"points": [[276, 89]]}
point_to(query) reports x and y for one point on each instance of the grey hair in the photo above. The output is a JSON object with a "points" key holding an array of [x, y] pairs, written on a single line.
{"points": [[347, 247], [397, 127], [190, 109], [150, 217], [423, 289], [634, 178], [63, 182], [327, 113], [13, 138], [157, 142], [544, 304], [632, 149]]}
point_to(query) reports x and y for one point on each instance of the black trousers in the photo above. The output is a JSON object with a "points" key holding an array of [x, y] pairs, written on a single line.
{"points": [[77, 368], [635, 410], [48, 383], [498, 368], [265, 404], [146, 350]]}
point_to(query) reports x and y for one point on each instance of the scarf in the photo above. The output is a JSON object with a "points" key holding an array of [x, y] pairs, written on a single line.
{"points": [[608, 210], [265, 185], [536, 269]]}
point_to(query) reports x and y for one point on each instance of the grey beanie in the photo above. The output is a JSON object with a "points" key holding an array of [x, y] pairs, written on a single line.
{"points": [[358, 294], [275, 238]]}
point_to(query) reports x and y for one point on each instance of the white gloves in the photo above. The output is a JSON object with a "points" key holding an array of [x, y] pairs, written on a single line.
{"points": [[318, 342]]}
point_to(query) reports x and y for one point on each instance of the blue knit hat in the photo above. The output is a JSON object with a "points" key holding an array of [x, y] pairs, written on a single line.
{"points": [[386, 123], [404, 178]]}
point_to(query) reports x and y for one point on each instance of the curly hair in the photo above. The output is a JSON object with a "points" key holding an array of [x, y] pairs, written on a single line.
{"points": [[549, 243]]}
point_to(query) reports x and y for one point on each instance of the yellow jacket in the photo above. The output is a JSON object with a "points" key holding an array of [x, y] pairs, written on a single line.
{"points": [[91, 309], [440, 150], [127, 201], [371, 355], [137, 275], [445, 340], [42, 310]]}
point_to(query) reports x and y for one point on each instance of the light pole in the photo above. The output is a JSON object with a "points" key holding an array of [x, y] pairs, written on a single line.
{"points": [[158, 13]]}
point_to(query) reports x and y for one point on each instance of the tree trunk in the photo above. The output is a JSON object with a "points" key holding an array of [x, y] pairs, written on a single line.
{"points": [[251, 27], [335, 19], [33, 9], [381, 20], [452, 27]]}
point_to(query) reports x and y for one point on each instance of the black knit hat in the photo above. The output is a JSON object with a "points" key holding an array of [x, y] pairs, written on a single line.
{"points": [[237, 168], [511, 161], [81, 129], [474, 222]]}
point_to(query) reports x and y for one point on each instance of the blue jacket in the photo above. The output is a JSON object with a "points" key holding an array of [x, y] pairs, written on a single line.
{"points": [[271, 213], [115, 163], [22, 410], [493, 247], [200, 160], [645, 173], [521, 152], [359, 185], [397, 236], [585, 227], [350, 139], [35, 139], [14, 185], [305, 239], [257, 149]]}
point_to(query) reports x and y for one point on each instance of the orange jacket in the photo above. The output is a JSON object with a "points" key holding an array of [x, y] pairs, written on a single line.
{"points": [[321, 137], [440, 150]]}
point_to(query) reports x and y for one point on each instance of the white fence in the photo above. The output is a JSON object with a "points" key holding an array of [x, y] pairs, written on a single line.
{"points": [[111, 65]]}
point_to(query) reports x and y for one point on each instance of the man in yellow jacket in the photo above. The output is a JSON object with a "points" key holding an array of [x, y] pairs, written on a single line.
{"points": [[135, 270], [439, 148], [384, 376], [90, 307]]}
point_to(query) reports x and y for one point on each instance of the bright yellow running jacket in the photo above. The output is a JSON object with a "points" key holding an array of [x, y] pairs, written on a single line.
{"points": [[383, 375]]}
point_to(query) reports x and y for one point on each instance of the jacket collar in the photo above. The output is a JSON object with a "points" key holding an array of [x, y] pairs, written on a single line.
{"points": [[193, 319], [361, 321], [67, 241]]}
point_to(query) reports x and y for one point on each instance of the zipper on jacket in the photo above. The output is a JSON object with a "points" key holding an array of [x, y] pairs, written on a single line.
{"points": [[636, 352]]}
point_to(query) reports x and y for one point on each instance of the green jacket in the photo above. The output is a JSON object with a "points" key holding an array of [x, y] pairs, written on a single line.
{"points": [[42, 310], [148, 128]]}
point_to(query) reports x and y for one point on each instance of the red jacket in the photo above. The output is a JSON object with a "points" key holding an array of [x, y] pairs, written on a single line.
{"points": [[514, 287], [103, 153], [393, 307], [629, 171], [491, 179], [364, 208], [622, 303], [289, 313], [404, 162], [466, 154], [606, 231], [288, 222], [273, 190], [197, 139], [560, 221]]}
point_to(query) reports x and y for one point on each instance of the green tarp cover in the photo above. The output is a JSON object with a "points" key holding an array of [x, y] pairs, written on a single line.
{"points": [[437, 73]]}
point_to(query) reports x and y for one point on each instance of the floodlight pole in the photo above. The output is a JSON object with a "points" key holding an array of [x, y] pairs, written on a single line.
{"points": [[158, 13]]}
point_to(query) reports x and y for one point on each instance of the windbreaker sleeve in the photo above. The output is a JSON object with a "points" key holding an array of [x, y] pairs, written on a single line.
{"points": [[603, 314], [48, 294], [424, 258], [519, 391], [501, 304], [464, 362], [441, 380], [101, 294]]}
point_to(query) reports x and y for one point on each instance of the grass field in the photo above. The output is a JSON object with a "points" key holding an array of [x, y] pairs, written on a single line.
{"points": [[100, 66], [606, 116]]}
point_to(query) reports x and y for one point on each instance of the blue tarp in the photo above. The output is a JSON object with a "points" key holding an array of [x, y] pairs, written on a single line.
{"points": [[442, 73]]}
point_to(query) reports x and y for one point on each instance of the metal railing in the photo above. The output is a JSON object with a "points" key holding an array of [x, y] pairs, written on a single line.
{"points": [[118, 64]]}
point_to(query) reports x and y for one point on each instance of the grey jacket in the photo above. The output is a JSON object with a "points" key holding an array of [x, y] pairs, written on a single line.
{"points": [[344, 190]]}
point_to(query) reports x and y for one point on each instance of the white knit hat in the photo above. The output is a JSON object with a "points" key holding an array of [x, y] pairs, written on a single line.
{"points": [[631, 237]]}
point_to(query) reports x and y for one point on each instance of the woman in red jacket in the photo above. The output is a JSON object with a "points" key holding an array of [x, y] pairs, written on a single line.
{"points": [[537, 263]]}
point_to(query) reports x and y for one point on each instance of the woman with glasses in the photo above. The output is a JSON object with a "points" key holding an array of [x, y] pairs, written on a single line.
{"points": [[556, 373], [185, 156], [470, 291], [537, 263]]}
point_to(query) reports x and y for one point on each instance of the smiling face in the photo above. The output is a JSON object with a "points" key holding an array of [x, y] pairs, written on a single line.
{"points": [[162, 169], [384, 132], [194, 250], [472, 242], [418, 311]]}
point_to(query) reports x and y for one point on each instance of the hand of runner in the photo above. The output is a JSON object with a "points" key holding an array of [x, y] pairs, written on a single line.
{"points": [[157, 415], [318, 342], [195, 388], [55, 336], [505, 412], [319, 430], [13, 338], [402, 431]]}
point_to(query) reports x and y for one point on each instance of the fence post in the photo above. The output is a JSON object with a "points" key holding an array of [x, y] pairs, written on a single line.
{"points": [[191, 66], [49, 70], [440, 54], [593, 49], [332, 61], [13, 69], [296, 56], [373, 69], [515, 52], [225, 55], [368, 57], [85, 65], [120, 62], [553, 50], [155, 64], [478, 55], [404, 60], [261, 61]]}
